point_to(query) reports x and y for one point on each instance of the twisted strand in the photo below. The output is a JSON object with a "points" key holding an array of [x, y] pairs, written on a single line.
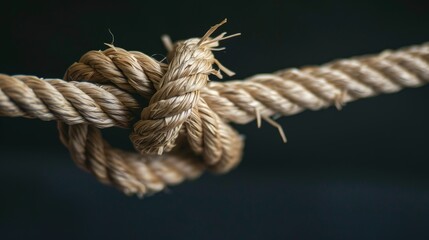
{"points": [[177, 94], [129, 71], [290, 91], [70, 102]]}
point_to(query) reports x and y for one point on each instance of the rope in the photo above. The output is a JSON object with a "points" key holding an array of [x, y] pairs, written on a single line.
{"points": [[187, 117]]}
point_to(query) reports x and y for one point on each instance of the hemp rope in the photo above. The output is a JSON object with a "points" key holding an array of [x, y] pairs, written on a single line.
{"points": [[187, 116]]}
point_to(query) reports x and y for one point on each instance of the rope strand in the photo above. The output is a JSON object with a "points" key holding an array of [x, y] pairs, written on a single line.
{"points": [[70, 102]]}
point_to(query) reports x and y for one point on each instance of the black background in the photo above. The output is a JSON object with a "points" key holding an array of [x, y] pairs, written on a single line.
{"points": [[359, 173]]}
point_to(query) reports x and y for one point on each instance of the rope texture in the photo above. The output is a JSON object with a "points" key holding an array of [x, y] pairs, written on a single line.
{"points": [[187, 117]]}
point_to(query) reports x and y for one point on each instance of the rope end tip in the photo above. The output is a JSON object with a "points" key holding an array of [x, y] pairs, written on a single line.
{"points": [[168, 44]]}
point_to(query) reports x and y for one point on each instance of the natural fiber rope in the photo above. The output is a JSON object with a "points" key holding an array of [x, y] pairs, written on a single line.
{"points": [[186, 111]]}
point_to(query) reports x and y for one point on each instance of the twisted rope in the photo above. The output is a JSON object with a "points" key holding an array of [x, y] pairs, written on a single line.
{"points": [[186, 111]]}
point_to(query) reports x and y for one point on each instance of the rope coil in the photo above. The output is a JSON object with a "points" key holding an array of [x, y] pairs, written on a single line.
{"points": [[187, 116]]}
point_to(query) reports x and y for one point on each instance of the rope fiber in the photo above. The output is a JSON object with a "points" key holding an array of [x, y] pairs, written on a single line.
{"points": [[184, 129]]}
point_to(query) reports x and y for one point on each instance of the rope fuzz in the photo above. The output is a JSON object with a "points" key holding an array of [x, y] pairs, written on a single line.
{"points": [[184, 129]]}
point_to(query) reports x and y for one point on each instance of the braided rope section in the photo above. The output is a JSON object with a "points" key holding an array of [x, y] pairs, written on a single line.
{"points": [[184, 129]]}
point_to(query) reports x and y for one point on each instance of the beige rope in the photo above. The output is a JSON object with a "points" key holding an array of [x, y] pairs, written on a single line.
{"points": [[186, 110], [70, 102]]}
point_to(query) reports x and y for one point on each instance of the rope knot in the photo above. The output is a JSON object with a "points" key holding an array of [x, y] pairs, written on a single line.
{"points": [[176, 107], [99, 89]]}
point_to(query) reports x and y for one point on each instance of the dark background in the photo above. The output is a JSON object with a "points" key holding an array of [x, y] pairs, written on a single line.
{"points": [[359, 173]]}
